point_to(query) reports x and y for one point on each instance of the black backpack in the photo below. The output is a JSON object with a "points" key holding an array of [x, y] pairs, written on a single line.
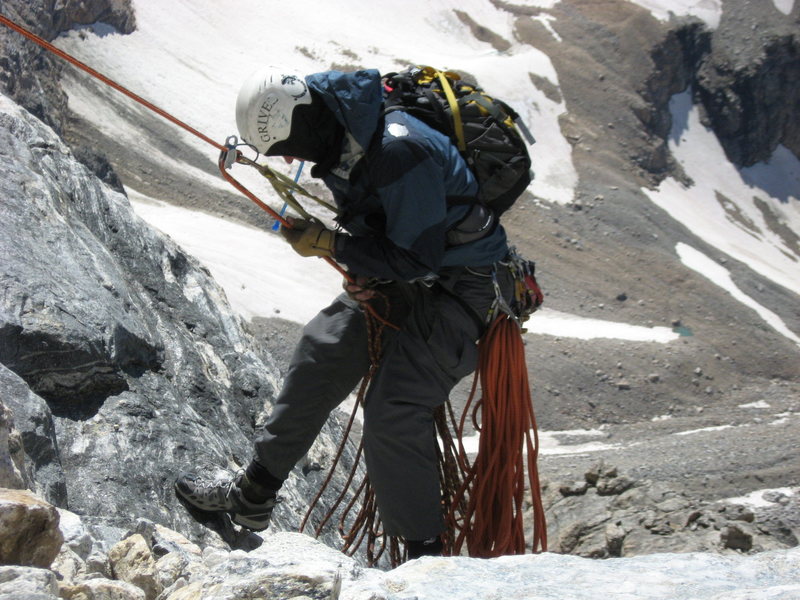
{"points": [[485, 129]]}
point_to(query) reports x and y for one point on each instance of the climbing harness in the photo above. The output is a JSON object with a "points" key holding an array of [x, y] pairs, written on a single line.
{"points": [[484, 512]]}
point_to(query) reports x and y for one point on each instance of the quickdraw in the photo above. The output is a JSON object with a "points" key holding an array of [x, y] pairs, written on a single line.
{"points": [[528, 296]]}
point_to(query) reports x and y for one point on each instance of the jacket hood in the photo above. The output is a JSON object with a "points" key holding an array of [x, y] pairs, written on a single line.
{"points": [[354, 98]]}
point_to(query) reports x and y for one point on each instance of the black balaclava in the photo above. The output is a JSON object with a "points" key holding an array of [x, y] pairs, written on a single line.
{"points": [[316, 134]]}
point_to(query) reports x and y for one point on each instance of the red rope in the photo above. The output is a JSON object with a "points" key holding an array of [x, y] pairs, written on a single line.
{"points": [[494, 484]]}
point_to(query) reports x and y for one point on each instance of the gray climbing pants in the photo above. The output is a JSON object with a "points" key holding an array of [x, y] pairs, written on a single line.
{"points": [[434, 348]]}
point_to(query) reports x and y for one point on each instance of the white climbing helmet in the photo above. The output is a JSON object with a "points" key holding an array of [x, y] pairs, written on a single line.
{"points": [[265, 104]]}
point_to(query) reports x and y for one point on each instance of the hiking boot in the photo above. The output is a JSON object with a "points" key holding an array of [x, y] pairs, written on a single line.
{"points": [[225, 495]]}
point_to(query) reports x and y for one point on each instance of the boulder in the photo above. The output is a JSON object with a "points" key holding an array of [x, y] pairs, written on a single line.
{"points": [[76, 536], [29, 534], [101, 589], [132, 561], [68, 566]]}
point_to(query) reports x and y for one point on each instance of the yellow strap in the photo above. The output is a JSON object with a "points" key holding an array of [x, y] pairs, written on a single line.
{"points": [[458, 126], [286, 188]]}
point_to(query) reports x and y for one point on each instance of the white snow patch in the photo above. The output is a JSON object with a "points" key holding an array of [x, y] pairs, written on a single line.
{"points": [[719, 275], [782, 418], [709, 11], [756, 499], [551, 322], [756, 404], [704, 429], [734, 211], [260, 273], [785, 414], [785, 6], [550, 443], [547, 21], [661, 418]]}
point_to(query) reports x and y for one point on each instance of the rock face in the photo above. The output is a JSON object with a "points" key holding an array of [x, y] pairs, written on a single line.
{"points": [[121, 359], [749, 83], [745, 74]]}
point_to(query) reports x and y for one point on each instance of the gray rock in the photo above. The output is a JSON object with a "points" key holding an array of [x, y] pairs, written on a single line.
{"points": [[573, 488], [34, 421], [614, 486], [27, 583], [737, 536], [12, 467], [600, 470], [618, 516], [75, 534]]}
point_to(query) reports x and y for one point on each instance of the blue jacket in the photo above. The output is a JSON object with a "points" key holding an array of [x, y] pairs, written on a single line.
{"points": [[391, 189]]}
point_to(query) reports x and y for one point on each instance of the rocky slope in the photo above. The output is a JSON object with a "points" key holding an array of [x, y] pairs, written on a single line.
{"points": [[117, 350], [155, 563]]}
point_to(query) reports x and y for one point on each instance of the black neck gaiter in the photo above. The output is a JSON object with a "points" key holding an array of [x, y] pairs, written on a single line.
{"points": [[316, 134]]}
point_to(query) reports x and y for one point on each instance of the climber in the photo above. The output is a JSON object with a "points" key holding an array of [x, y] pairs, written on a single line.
{"points": [[436, 265]]}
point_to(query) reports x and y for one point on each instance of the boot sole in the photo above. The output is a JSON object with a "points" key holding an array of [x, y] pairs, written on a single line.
{"points": [[253, 523]]}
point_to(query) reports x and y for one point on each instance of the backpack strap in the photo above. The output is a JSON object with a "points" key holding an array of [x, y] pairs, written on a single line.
{"points": [[458, 126]]}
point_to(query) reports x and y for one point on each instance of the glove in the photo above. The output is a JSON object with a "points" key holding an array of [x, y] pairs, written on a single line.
{"points": [[309, 238], [358, 289]]}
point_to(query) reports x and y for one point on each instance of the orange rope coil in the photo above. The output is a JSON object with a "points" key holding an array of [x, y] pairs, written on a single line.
{"points": [[494, 484]]}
